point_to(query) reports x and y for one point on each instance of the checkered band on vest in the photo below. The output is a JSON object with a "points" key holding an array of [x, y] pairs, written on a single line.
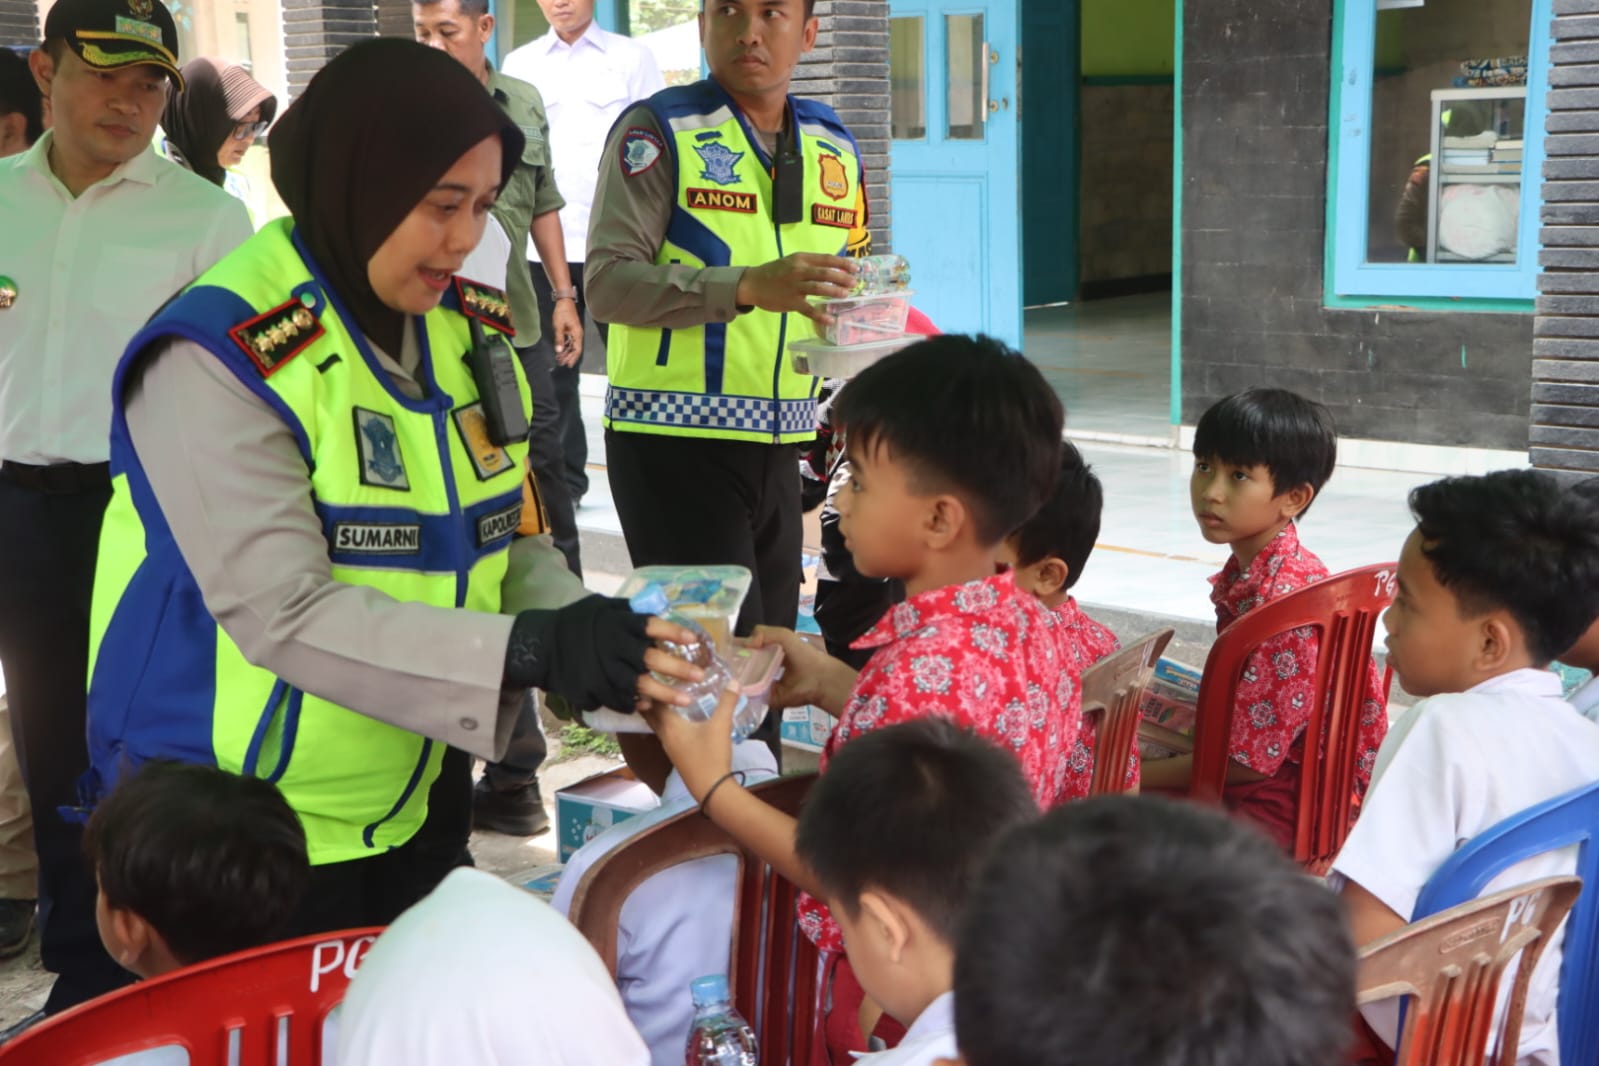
{"points": [[749, 413]]}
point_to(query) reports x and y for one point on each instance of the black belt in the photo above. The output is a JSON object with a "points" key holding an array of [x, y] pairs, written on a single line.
{"points": [[58, 478]]}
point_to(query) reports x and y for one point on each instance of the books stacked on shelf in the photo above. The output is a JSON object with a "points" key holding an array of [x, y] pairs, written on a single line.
{"points": [[1483, 153]]}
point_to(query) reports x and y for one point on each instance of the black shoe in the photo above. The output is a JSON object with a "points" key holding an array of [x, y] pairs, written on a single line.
{"points": [[16, 926], [25, 1024], [516, 812]]}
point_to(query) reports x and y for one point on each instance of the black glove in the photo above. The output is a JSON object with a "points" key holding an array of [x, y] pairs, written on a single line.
{"points": [[590, 652]]}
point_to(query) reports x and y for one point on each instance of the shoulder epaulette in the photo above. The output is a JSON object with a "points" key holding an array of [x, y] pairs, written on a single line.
{"points": [[273, 338], [485, 303]]}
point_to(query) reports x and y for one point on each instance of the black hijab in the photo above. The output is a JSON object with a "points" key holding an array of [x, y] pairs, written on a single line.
{"points": [[196, 120], [370, 136]]}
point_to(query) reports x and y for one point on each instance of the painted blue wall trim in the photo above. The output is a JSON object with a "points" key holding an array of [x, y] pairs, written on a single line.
{"points": [[1349, 167], [1177, 219]]}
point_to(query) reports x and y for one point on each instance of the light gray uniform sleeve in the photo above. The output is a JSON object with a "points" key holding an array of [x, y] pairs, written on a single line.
{"points": [[622, 282], [232, 486]]}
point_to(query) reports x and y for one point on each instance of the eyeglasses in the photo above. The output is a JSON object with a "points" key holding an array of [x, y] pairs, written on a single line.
{"points": [[248, 131]]}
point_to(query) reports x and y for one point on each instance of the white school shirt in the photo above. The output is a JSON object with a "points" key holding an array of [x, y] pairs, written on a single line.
{"points": [[483, 973], [930, 1038], [586, 85], [1450, 767], [676, 926], [88, 273]]}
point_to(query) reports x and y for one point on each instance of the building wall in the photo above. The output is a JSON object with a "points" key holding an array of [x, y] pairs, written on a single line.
{"points": [[848, 70], [19, 23], [1124, 224], [1256, 83], [1565, 390]]}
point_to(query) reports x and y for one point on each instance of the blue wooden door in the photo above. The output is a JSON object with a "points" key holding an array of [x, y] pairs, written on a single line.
{"points": [[955, 114]]}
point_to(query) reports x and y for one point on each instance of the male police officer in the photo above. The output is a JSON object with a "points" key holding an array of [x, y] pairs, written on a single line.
{"points": [[722, 208], [98, 232]]}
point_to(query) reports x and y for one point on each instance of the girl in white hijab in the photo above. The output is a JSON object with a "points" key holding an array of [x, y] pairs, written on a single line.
{"points": [[481, 973]]}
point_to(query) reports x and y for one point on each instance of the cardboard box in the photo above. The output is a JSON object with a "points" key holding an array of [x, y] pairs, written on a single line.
{"points": [[585, 810], [806, 728]]}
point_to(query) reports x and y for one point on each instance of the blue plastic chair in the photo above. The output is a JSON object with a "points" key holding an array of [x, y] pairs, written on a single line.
{"points": [[1565, 820]]}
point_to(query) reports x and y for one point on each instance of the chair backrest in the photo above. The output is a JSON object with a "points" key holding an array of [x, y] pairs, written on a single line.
{"points": [[264, 1007], [1570, 819], [1448, 969], [1344, 608], [1112, 690], [775, 970]]}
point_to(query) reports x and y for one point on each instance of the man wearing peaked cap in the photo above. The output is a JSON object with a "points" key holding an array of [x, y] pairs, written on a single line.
{"points": [[99, 233]]}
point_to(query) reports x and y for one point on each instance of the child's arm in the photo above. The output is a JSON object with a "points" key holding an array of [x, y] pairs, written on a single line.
{"points": [[810, 675], [1369, 917], [702, 752], [1176, 772]]}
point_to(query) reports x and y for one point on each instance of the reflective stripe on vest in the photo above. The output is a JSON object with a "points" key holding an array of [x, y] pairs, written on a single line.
{"points": [[413, 499], [732, 380]]}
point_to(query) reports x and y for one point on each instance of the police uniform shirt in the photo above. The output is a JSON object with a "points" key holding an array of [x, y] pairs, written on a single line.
{"points": [[79, 276], [232, 487], [530, 192], [623, 283], [585, 85]]}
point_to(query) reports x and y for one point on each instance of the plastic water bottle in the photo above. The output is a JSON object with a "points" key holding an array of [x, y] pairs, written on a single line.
{"points": [[719, 1037], [706, 693]]}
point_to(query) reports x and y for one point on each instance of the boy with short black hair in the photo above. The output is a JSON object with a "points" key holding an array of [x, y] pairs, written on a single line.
{"points": [[1127, 931], [1047, 554], [896, 832], [1500, 574], [193, 863], [953, 442], [1261, 458]]}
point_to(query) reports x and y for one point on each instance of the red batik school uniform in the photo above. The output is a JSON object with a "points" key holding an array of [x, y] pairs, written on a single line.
{"points": [[984, 655], [1275, 694], [1086, 643]]}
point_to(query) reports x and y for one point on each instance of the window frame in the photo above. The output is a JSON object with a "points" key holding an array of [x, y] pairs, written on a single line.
{"points": [[1350, 280]]}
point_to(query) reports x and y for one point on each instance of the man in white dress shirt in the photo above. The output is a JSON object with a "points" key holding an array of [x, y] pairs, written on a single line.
{"points": [[587, 77], [99, 231]]}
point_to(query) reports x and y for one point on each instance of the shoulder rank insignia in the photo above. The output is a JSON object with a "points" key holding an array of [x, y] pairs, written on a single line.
{"points": [[484, 303], [273, 338]]}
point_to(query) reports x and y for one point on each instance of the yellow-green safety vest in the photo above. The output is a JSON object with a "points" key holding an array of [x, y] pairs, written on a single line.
{"points": [[415, 501], [729, 380]]}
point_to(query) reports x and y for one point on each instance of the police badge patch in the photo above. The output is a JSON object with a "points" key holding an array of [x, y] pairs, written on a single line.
{"points": [[488, 458], [381, 464], [719, 162], [834, 178], [641, 149]]}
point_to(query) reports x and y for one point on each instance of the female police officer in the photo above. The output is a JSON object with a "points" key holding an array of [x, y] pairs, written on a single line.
{"points": [[308, 571]]}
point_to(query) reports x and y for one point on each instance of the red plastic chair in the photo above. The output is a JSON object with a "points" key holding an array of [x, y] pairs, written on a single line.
{"points": [[264, 1007], [1112, 689], [1448, 968], [775, 970], [1345, 609]]}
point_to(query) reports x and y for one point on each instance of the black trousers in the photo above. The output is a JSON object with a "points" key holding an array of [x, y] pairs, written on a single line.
{"points": [[526, 752], [544, 451], [574, 441], [374, 891], [48, 543], [690, 500]]}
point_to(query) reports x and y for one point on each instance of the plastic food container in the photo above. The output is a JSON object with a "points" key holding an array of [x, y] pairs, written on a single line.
{"points": [[755, 669], [859, 319], [707, 595], [815, 356]]}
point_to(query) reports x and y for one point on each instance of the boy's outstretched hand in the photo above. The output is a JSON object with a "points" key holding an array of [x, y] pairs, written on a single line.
{"points": [[702, 752], [811, 677]]}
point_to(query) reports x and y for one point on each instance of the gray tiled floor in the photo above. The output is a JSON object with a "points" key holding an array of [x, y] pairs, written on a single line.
{"points": [[1109, 360]]}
